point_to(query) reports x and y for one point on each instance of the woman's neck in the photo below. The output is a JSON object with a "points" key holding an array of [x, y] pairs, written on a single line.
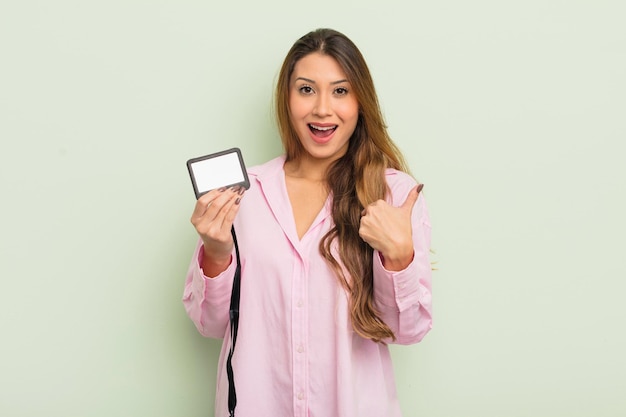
{"points": [[305, 168]]}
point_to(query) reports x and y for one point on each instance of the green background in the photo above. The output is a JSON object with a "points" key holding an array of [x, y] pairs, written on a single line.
{"points": [[511, 112]]}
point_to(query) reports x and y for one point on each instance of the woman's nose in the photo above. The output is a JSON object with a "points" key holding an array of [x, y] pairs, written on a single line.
{"points": [[323, 106]]}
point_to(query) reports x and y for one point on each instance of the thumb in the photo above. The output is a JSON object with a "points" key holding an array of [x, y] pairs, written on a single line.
{"points": [[412, 198]]}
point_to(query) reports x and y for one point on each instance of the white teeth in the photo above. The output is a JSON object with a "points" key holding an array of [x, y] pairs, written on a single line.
{"points": [[322, 128]]}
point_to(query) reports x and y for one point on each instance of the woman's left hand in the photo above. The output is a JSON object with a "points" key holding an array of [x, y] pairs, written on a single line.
{"points": [[388, 230]]}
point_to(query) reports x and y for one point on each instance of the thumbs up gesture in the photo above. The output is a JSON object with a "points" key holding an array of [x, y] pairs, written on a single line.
{"points": [[388, 230]]}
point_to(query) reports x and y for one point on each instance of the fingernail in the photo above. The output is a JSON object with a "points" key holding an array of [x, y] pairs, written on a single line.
{"points": [[419, 187], [238, 200], [242, 190], [235, 189], [222, 189]]}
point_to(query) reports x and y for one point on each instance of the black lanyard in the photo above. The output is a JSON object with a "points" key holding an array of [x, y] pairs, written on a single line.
{"points": [[234, 326]]}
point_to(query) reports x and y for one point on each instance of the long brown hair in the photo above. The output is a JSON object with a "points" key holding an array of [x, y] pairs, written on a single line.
{"points": [[355, 180]]}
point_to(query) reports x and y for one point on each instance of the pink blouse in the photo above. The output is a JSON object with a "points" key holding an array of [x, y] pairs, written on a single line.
{"points": [[297, 354]]}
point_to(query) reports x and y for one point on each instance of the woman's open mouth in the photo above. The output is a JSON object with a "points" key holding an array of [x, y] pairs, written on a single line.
{"points": [[322, 131]]}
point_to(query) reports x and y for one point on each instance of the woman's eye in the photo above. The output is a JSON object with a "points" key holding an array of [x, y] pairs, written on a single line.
{"points": [[341, 91], [305, 89]]}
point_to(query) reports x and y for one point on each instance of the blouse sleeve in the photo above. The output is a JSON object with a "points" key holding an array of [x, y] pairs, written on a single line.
{"points": [[207, 300], [403, 298]]}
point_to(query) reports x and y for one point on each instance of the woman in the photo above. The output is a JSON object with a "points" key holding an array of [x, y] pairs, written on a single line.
{"points": [[334, 240]]}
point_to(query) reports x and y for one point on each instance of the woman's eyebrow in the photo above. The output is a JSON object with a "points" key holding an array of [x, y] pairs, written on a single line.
{"points": [[313, 82], [305, 79]]}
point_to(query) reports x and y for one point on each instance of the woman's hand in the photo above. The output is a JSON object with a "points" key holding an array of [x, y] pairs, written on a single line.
{"points": [[388, 230], [213, 218]]}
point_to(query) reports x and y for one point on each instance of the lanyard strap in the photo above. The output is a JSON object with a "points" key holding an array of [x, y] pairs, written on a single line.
{"points": [[234, 327]]}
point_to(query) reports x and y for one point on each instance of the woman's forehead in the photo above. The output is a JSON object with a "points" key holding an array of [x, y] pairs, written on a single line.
{"points": [[316, 67]]}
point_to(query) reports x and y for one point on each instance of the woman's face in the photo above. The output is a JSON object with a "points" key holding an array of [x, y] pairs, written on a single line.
{"points": [[323, 108]]}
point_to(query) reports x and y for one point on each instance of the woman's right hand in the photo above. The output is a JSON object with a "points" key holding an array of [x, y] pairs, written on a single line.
{"points": [[213, 218]]}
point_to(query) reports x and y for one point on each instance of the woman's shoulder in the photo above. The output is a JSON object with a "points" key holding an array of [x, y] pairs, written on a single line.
{"points": [[399, 180], [270, 167], [400, 184]]}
